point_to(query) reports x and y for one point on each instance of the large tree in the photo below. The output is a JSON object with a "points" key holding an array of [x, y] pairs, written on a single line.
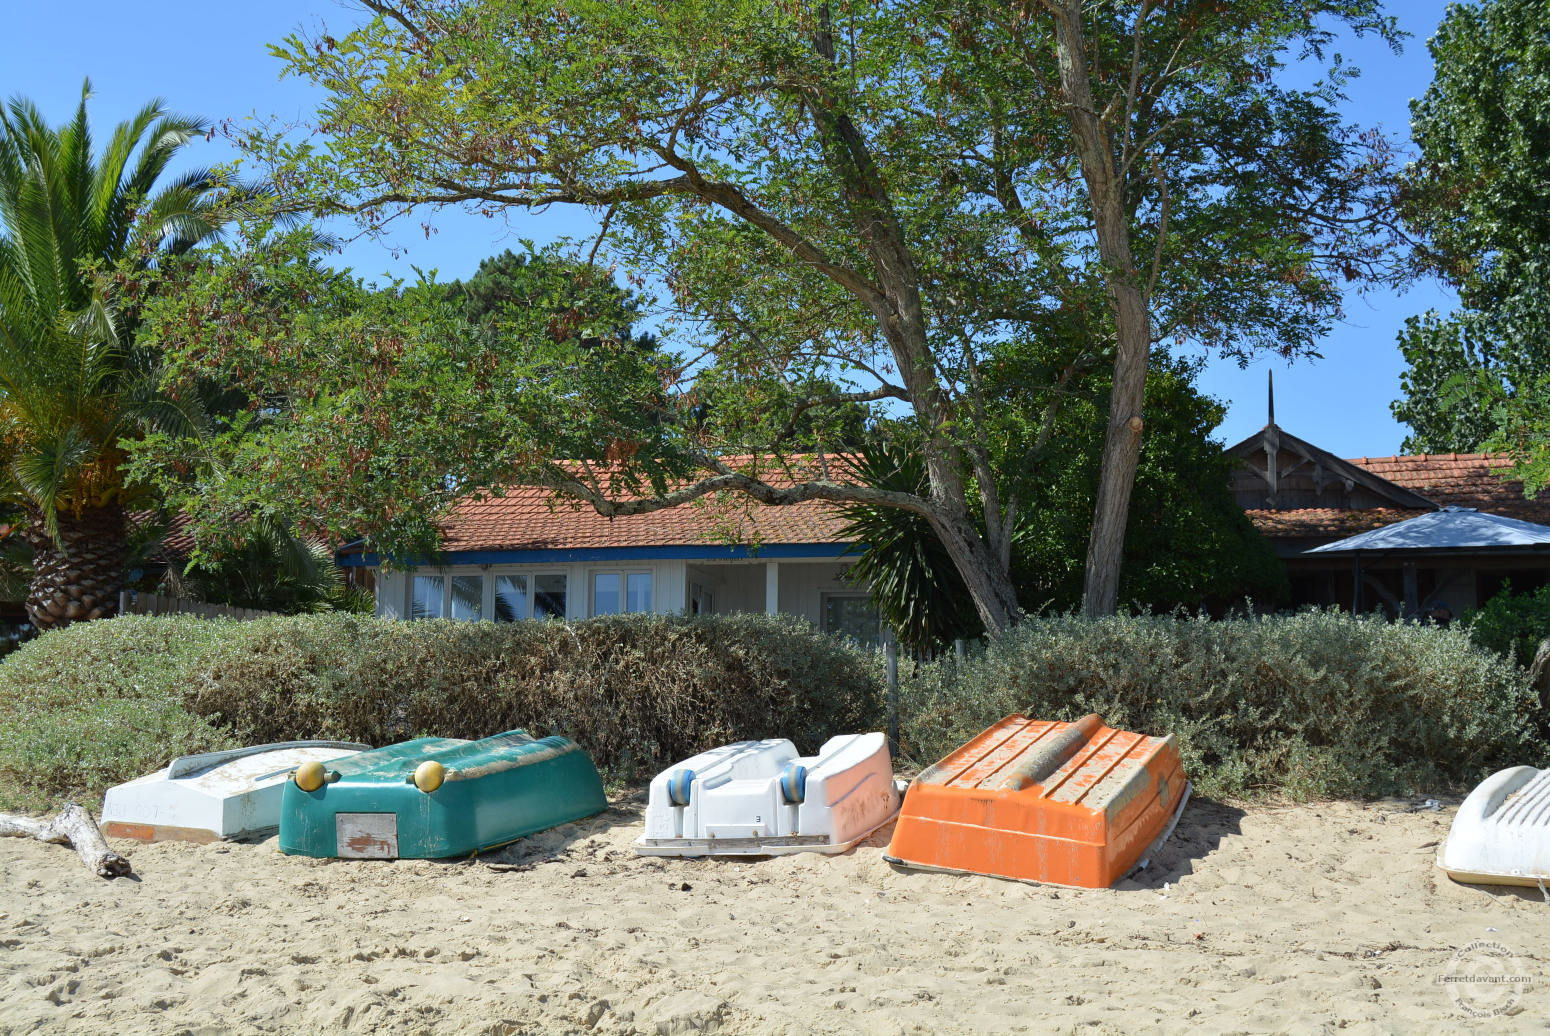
{"points": [[874, 194], [1188, 543], [73, 386], [1478, 197]]}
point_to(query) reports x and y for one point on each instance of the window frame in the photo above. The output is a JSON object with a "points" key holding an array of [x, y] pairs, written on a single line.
{"points": [[624, 575], [823, 614]]}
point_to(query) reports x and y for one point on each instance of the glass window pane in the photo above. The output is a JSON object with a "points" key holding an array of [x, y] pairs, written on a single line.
{"points": [[549, 597], [605, 593], [427, 603], [510, 598], [637, 592], [851, 616], [468, 598]]}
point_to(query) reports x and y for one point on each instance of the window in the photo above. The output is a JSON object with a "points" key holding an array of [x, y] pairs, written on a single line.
{"points": [[468, 597], [852, 616], [615, 592], [549, 596], [702, 599], [521, 596], [605, 594], [511, 599], [637, 592], [436, 597], [427, 602]]}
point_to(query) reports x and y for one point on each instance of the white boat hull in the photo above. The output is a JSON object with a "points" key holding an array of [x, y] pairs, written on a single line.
{"points": [[1501, 835], [760, 798], [214, 796]]}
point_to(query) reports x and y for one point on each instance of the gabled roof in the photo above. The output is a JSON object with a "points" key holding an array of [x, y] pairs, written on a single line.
{"points": [[1449, 479], [1272, 439], [1450, 530]]}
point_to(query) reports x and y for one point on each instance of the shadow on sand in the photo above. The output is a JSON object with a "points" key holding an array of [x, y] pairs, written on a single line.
{"points": [[555, 843], [1202, 827]]}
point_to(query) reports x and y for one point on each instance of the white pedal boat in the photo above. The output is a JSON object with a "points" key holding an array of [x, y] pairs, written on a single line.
{"points": [[1501, 835], [213, 796], [760, 798]]}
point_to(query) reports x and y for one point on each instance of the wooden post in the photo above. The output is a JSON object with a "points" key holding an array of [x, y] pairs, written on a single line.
{"points": [[1412, 607], [891, 668]]}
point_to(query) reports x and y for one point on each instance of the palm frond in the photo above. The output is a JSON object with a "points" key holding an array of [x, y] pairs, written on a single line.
{"points": [[45, 470]]}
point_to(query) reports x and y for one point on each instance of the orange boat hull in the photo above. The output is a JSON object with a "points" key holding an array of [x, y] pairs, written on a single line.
{"points": [[1063, 803]]}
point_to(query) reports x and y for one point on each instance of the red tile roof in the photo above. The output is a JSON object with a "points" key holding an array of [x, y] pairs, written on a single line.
{"points": [[1327, 522], [1463, 480], [526, 518], [1457, 479]]}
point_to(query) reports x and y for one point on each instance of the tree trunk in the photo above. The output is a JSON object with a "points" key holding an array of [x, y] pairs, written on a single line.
{"points": [[1539, 675], [79, 577], [1102, 172], [989, 584], [1121, 456], [71, 826]]}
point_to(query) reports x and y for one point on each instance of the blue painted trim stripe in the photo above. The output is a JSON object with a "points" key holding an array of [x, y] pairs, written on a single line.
{"points": [[686, 552]]}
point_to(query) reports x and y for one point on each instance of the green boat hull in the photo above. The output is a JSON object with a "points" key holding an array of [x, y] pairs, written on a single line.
{"points": [[495, 791]]}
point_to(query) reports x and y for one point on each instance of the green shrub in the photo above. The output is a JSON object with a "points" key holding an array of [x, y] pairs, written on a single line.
{"points": [[1512, 624], [96, 703], [638, 691], [1311, 705]]}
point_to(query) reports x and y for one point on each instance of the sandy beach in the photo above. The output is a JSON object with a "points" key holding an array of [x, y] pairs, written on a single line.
{"points": [[1303, 918]]}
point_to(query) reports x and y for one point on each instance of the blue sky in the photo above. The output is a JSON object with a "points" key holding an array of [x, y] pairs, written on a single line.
{"points": [[211, 60]]}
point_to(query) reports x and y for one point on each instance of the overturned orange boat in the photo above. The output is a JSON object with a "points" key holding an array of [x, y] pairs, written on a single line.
{"points": [[1034, 800]]}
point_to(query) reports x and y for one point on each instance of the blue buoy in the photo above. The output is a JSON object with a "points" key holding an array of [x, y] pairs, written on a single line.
{"points": [[793, 782], [679, 784]]}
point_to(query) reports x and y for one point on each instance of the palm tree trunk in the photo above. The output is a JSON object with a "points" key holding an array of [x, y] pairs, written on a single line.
{"points": [[79, 577]]}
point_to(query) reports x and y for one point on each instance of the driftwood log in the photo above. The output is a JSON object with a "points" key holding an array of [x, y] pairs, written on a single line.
{"points": [[71, 826]]}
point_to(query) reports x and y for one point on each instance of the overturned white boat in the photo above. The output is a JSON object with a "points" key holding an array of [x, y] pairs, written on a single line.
{"points": [[1501, 835], [760, 798], [215, 795]]}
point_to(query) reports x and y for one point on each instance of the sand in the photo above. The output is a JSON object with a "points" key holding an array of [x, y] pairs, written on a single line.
{"points": [[1299, 918]]}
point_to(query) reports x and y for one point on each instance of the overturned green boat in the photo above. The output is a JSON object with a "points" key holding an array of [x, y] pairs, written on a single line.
{"points": [[436, 797]]}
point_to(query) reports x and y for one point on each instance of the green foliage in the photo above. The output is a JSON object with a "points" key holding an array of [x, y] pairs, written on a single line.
{"points": [[849, 205], [912, 580], [1187, 543], [97, 703], [71, 385], [1312, 705], [265, 568], [1512, 625], [637, 691], [506, 286], [371, 411], [1479, 199]]}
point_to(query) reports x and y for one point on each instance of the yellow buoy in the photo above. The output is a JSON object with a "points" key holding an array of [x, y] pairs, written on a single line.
{"points": [[429, 775], [310, 776]]}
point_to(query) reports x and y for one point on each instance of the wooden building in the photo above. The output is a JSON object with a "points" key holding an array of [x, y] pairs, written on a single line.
{"points": [[1300, 496]]}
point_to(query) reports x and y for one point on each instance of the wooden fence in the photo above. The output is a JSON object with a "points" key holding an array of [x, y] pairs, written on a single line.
{"points": [[155, 604]]}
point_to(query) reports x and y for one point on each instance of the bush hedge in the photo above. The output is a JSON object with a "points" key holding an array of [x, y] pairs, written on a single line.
{"points": [[1317, 704], [638, 691], [88, 706], [1313, 705], [1512, 624]]}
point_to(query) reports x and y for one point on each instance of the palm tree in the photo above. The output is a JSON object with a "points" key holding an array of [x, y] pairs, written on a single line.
{"points": [[73, 384]]}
